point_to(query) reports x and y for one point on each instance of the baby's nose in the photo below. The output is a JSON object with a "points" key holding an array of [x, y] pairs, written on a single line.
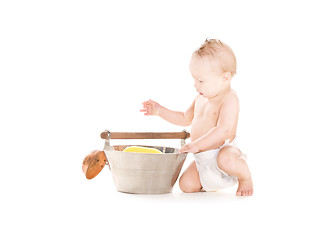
{"points": [[195, 85]]}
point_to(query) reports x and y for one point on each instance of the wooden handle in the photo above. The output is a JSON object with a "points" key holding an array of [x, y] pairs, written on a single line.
{"points": [[144, 135]]}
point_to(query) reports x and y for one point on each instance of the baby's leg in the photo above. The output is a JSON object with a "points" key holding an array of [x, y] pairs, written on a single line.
{"points": [[189, 181], [230, 162]]}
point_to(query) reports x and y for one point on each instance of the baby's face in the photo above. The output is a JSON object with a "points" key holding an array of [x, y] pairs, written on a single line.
{"points": [[208, 80]]}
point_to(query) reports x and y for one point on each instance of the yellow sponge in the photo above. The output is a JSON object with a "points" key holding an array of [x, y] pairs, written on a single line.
{"points": [[141, 150]]}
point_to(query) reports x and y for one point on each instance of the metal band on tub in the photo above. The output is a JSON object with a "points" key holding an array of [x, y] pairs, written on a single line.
{"points": [[108, 147], [107, 140], [182, 141]]}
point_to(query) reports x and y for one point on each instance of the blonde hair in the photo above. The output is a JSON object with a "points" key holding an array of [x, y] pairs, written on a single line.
{"points": [[221, 52]]}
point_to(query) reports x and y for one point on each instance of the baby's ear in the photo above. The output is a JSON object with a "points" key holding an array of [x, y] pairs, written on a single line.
{"points": [[226, 76]]}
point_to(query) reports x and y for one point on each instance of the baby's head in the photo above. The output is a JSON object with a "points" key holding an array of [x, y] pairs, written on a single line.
{"points": [[212, 67]]}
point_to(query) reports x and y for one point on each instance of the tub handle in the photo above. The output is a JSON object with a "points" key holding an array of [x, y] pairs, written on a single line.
{"points": [[144, 135]]}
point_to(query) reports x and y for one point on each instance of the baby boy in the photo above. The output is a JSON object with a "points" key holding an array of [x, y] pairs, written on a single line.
{"points": [[213, 117]]}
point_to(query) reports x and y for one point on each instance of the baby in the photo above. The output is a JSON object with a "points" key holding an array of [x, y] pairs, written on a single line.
{"points": [[213, 117]]}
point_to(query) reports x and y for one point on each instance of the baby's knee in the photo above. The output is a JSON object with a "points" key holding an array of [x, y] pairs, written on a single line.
{"points": [[187, 185], [226, 159]]}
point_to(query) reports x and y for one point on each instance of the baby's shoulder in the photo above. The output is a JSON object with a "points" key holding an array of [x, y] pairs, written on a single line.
{"points": [[232, 96], [231, 99]]}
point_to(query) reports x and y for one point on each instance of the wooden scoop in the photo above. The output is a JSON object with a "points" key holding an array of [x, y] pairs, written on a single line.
{"points": [[93, 163]]}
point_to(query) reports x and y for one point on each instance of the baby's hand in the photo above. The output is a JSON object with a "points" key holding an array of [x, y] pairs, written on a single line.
{"points": [[190, 148], [150, 107]]}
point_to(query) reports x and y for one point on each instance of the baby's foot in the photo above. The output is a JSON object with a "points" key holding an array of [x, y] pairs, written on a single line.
{"points": [[245, 187]]}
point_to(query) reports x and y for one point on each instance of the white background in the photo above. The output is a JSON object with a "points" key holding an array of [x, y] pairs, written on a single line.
{"points": [[71, 69]]}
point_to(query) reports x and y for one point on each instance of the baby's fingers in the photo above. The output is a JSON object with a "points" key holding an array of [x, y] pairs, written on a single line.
{"points": [[145, 105]]}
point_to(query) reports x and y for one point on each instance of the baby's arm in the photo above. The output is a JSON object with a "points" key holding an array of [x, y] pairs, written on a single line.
{"points": [[217, 135], [178, 118]]}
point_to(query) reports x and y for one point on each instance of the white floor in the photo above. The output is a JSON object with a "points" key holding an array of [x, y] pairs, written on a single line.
{"points": [[57, 204]]}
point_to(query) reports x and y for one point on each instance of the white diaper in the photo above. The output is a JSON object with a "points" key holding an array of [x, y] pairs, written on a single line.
{"points": [[212, 178]]}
